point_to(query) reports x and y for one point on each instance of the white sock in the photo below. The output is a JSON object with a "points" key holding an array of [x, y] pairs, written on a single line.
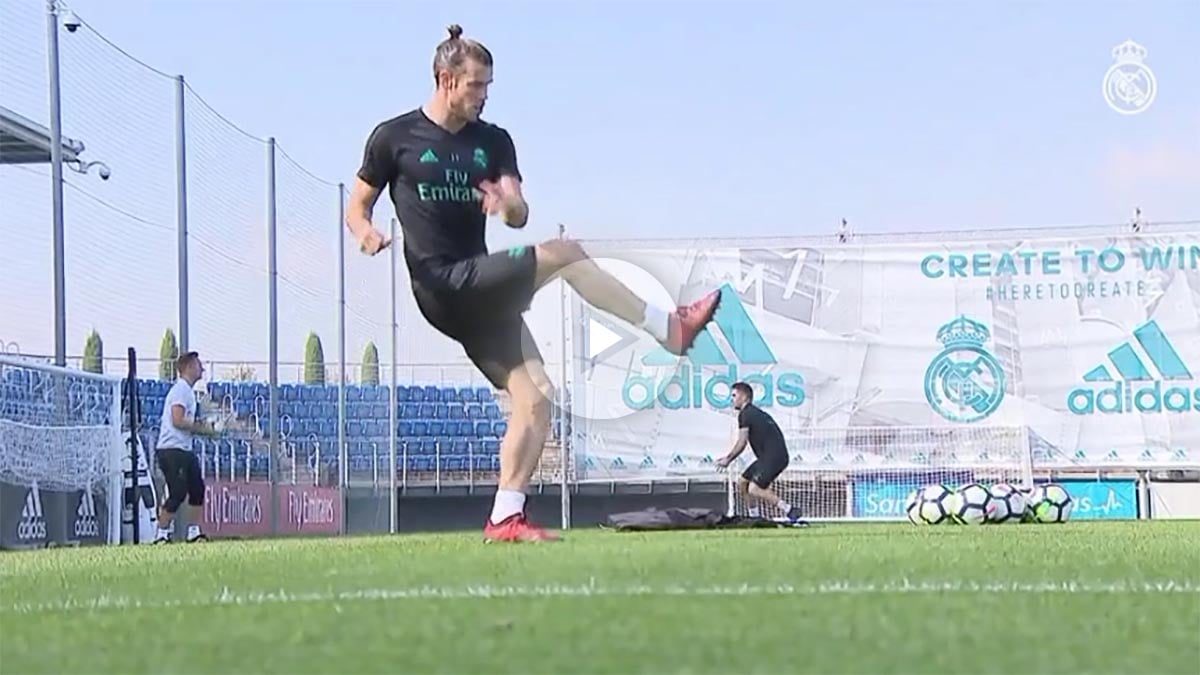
{"points": [[754, 512], [164, 532], [655, 323], [784, 506], [508, 503]]}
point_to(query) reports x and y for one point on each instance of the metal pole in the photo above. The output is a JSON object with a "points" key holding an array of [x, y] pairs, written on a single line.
{"points": [[343, 453], [393, 501], [273, 323], [563, 453], [181, 212], [56, 187]]}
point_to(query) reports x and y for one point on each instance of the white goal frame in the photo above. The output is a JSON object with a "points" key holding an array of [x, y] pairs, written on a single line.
{"points": [[116, 436]]}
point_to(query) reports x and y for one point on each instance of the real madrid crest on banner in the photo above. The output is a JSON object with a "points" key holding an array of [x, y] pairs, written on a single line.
{"points": [[964, 383], [1129, 84]]}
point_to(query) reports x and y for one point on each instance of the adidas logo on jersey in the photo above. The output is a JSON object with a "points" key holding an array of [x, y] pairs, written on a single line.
{"points": [[85, 517], [33, 520]]}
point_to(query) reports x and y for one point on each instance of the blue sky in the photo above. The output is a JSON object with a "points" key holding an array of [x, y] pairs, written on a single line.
{"points": [[665, 119]]}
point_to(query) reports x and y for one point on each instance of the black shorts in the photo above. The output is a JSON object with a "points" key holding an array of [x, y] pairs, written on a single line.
{"points": [[765, 469], [181, 469], [479, 303]]}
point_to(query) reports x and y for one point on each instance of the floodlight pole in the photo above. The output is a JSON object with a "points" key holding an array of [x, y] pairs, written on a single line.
{"points": [[56, 186]]}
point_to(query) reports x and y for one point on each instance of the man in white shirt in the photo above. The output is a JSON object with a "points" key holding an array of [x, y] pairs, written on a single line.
{"points": [[179, 464]]}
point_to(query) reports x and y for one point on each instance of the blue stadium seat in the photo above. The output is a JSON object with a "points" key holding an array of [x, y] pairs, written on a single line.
{"points": [[492, 412], [455, 411], [474, 412], [460, 447], [437, 427], [426, 411], [420, 428], [420, 464], [430, 393], [499, 428], [441, 411], [410, 411], [449, 395], [491, 448], [481, 463], [467, 395], [484, 395], [380, 411], [483, 429], [454, 463], [428, 446]]}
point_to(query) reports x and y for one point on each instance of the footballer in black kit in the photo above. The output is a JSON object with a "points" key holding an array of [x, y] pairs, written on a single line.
{"points": [[446, 171], [758, 430], [471, 296]]}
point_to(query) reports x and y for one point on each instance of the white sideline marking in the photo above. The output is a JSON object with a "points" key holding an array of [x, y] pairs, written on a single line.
{"points": [[591, 589]]}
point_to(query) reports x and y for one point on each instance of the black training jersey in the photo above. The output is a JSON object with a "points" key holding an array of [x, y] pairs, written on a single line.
{"points": [[766, 439], [433, 177]]}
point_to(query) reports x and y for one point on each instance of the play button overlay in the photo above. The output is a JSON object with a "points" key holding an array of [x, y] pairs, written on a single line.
{"points": [[606, 338], [616, 356]]}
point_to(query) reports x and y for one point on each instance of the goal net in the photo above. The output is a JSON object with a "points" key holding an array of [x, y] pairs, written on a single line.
{"points": [[867, 473], [61, 447]]}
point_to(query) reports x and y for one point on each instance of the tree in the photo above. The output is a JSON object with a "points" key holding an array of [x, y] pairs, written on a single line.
{"points": [[314, 360], [370, 365], [168, 353], [93, 353]]}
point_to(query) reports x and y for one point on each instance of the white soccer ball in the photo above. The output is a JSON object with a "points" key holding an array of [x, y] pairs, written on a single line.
{"points": [[912, 507], [1050, 503], [1008, 503], [933, 505], [971, 505]]}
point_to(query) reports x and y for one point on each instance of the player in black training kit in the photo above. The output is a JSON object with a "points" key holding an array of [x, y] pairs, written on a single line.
{"points": [[758, 429], [447, 171]]}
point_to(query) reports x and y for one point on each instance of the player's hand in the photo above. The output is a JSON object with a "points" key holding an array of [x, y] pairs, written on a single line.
{"points": [[723, 463], [496, 199], [373, 242]]}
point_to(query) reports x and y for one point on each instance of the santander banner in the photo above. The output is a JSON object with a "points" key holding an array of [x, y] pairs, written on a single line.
{"points": [[244, 510]]}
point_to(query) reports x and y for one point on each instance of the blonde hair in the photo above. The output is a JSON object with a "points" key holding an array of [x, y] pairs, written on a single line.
{"points": [[455, 50]]}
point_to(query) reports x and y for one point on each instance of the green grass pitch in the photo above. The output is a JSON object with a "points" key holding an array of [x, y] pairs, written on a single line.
{"points": [[1080, 597]]}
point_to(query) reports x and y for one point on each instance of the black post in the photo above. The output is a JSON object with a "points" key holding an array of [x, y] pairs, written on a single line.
{"points": [[132, 493]]}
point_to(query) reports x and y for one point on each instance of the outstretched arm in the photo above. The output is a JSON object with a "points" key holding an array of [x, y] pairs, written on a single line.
{"points": [[739, 445]]}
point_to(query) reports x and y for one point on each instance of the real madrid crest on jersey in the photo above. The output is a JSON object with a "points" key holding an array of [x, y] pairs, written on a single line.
{"points": [[964, 383]]}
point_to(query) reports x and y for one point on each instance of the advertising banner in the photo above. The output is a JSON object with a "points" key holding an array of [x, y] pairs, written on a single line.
{"points": [[1090, 346], [34, 517], [309, 509], [1102, 499], [235, 509]]}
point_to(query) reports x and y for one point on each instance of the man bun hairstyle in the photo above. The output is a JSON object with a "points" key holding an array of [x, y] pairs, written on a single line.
{"points": [[455, 50]]}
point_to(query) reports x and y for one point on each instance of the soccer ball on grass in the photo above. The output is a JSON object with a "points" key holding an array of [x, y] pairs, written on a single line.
{"points": [[1008, 502], [972, 504], [1050, 503], [930, 505]]}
